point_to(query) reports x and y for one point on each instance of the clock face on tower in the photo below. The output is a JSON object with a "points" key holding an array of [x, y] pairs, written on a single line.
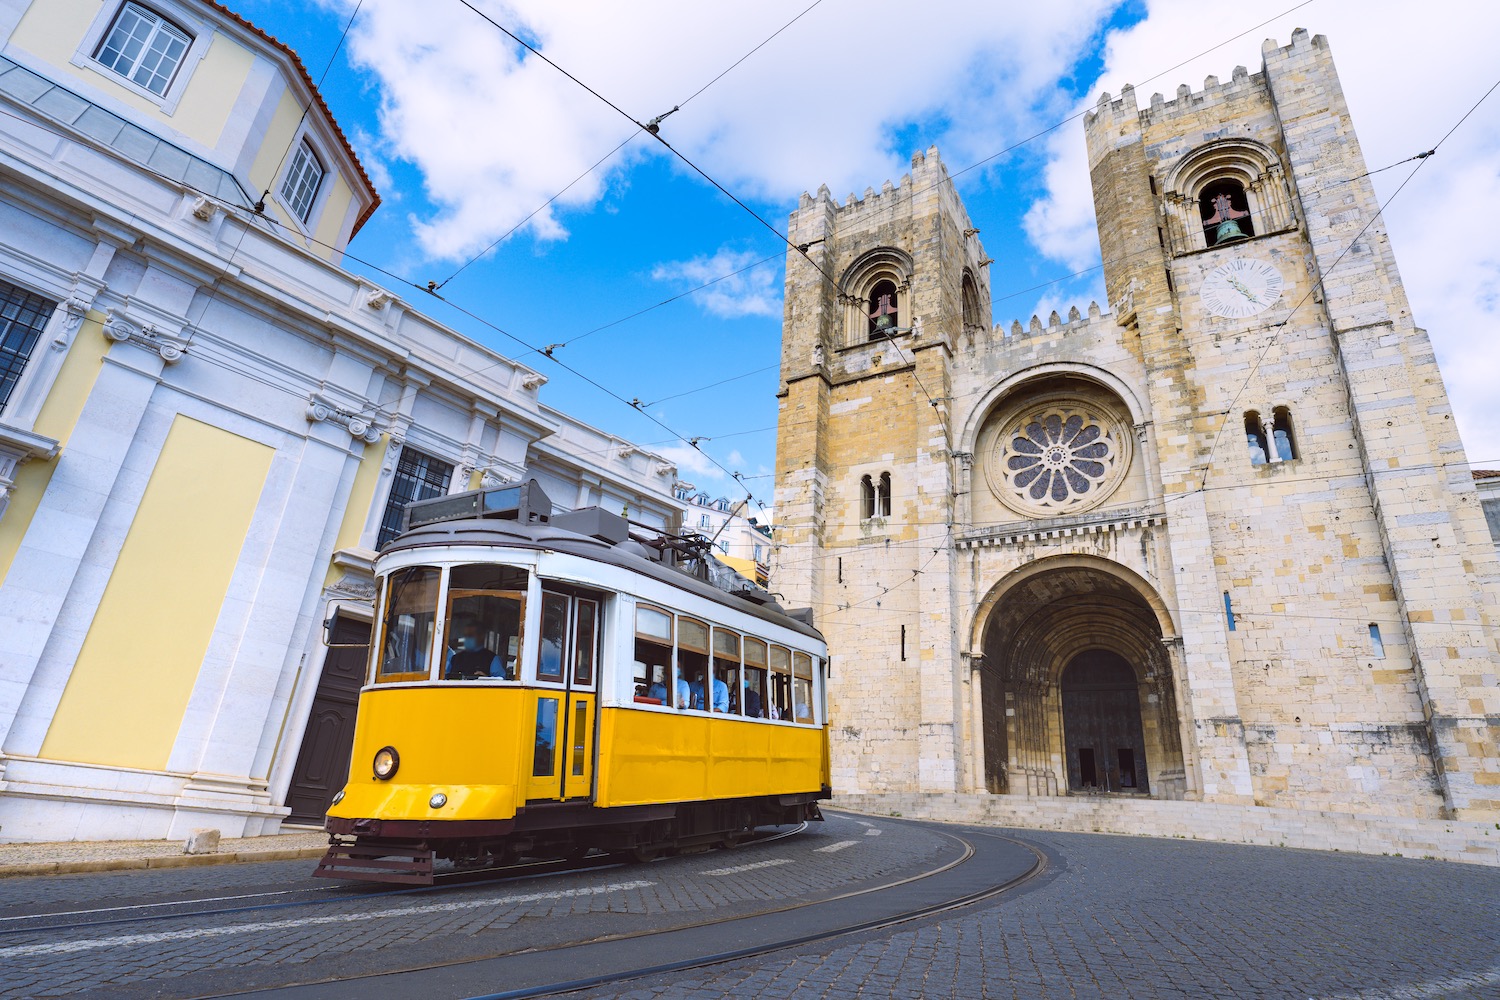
{"points": [[1241, 288]]}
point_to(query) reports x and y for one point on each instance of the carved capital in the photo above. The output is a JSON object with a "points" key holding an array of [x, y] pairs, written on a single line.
{"points": [[170, 349], [532, 381], [358, 425], [204, 209], [378, 298]]}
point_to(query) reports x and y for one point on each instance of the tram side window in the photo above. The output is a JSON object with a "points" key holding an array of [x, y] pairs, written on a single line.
{"points": [[755, 679], [692, 660], [653, 659], [802, 691], [585, 641], [549, 664], [726, 673], [410, 620], [486, 609], [781, 683]]}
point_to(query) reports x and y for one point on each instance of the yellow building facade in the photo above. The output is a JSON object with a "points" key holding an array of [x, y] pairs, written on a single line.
{"points": [[207, 427]]}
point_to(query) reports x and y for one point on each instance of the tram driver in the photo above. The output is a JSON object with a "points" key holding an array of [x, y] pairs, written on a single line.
{"points": [[471, 658]]}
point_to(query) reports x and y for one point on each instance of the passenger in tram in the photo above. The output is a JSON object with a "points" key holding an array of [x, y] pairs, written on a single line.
{"points": [[721, 694], [471, 658]]}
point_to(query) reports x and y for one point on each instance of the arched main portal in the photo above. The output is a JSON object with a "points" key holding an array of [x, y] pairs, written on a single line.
{"points": [[1073, 662]]}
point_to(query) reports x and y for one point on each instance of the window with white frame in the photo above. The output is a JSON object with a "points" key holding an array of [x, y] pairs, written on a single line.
{"points": [[300, 186], [143, 47]]}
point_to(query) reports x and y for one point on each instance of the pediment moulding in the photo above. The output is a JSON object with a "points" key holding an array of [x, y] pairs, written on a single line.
{"points": [[1052, 529]]}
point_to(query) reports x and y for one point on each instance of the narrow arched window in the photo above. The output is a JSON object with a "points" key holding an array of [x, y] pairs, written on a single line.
{"points": [[883, 495], [884, 315], [867, 498], [970, 303], [1281, 433], [1225, 211], [1255, 439]]}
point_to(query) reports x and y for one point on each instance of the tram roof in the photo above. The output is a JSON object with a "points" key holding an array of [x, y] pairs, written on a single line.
{"points": [[544, 536]]}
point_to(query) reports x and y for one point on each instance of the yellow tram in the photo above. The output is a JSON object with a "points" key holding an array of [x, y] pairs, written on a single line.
{"points": [[542, 685]]}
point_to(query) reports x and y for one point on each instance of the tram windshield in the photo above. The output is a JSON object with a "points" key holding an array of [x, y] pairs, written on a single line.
{"points": [[486, 608], [410, 617]]}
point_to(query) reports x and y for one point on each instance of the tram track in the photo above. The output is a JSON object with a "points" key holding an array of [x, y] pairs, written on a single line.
{"points": [[944, 888], [324, 895]]}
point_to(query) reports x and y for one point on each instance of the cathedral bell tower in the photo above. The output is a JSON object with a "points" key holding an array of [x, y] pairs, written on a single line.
{"points": [[1313, 481], [865, 465]]}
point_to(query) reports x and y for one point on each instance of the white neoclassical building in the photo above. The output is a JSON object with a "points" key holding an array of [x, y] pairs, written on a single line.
{"points": [[207, 426]]}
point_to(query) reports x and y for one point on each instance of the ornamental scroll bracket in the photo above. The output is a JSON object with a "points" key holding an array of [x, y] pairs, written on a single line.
{"points": [[170, 349], [320, 410]]}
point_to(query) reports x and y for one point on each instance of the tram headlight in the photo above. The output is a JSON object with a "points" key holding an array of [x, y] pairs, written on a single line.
{"points": [[438, 800], [339, 797], [387, 760]]}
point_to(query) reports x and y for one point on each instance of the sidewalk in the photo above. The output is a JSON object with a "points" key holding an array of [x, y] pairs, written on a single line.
{"points": [[120, 855]]}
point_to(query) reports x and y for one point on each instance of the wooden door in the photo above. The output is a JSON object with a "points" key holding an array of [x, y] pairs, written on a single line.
{"points": [[1102, 725], [323, 761]]}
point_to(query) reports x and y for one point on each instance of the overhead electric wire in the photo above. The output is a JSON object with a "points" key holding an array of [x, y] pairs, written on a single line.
{"points": [[259, 205]]}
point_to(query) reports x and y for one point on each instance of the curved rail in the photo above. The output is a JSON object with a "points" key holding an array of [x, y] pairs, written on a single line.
{"points": [[33, 923]]}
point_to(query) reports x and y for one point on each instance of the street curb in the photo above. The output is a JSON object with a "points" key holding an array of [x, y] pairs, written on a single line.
{"points": [[164, 861]]}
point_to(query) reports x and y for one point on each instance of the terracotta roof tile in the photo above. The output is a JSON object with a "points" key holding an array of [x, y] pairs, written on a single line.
{"points": [[1486, 473], [317, 97]]}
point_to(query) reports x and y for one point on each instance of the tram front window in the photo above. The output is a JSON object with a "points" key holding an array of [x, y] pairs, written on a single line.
{"points": [[410, 617], [486, 608]]}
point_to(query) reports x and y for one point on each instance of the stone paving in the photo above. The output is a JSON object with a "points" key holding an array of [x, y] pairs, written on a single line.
{"points": [[108, 855], [1121, 917], [314, 928]]}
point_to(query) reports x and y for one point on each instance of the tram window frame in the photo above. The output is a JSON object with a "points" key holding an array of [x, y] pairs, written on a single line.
{"points": [[580, 678], [513, 586], [802, 671], [700, 655], [726, 658], [781, 684], [760, 668], [391, 608], [663, 644], [557, 679]]}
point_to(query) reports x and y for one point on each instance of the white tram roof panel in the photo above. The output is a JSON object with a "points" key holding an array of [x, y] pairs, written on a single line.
{"points": [[520, 516]]}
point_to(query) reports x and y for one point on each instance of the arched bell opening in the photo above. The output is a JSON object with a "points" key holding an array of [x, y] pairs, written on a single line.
{"points": [[1073, 661]]}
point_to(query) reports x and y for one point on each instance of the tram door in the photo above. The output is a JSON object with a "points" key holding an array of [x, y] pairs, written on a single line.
{"points": [[566, 720]]}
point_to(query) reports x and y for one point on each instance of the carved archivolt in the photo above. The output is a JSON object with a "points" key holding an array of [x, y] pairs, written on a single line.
{"points": [[1253, 165]]}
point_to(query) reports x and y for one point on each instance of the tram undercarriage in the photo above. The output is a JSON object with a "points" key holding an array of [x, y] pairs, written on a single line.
{"points": [[404, 851]]}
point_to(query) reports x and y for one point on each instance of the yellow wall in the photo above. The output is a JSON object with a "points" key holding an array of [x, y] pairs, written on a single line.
{"points": [[361, 496], [53, 29], [125, 699], [334, 209], [56, 420], [277, 138]]}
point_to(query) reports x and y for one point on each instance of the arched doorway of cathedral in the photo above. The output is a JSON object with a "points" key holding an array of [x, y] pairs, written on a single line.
{"points": [[1076, 684]]}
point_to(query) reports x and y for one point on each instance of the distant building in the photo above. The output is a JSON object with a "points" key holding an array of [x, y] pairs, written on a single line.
{"points": [[207, 427], [1217, 543], [739, 540], [1487, 483]]}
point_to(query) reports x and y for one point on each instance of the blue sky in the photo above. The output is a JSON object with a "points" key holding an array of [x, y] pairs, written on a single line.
{"points": [[464, 138]]}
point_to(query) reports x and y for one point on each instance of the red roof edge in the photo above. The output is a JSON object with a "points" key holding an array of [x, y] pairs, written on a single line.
{"points": [[1485, 473], [318, 98]]}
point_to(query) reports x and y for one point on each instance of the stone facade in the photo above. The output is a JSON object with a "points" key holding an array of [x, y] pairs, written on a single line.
{"points": [[1218, 542]]}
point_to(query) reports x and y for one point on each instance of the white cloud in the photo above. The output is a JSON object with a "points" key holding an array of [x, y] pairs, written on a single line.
{"points": [[1409, 71], [746, 291], [495, 135], [691, 464]]}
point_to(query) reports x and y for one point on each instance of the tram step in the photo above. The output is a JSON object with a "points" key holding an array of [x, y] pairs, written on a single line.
{"points": [[375, 862]]}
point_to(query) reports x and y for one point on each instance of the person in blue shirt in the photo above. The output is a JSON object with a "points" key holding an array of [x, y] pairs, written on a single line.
{"points": [[472, 658], [721, 696]]}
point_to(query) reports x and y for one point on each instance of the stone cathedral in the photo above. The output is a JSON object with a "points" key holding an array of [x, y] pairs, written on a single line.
{"points": [[1217, 541]]}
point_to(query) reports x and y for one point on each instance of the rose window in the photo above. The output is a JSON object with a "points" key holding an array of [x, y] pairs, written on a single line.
{"points": [[1058, 457]]}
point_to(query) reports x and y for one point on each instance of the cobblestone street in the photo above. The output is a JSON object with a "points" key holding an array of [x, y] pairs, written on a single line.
{"points": [[1108, 917], [1122, 917]]}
